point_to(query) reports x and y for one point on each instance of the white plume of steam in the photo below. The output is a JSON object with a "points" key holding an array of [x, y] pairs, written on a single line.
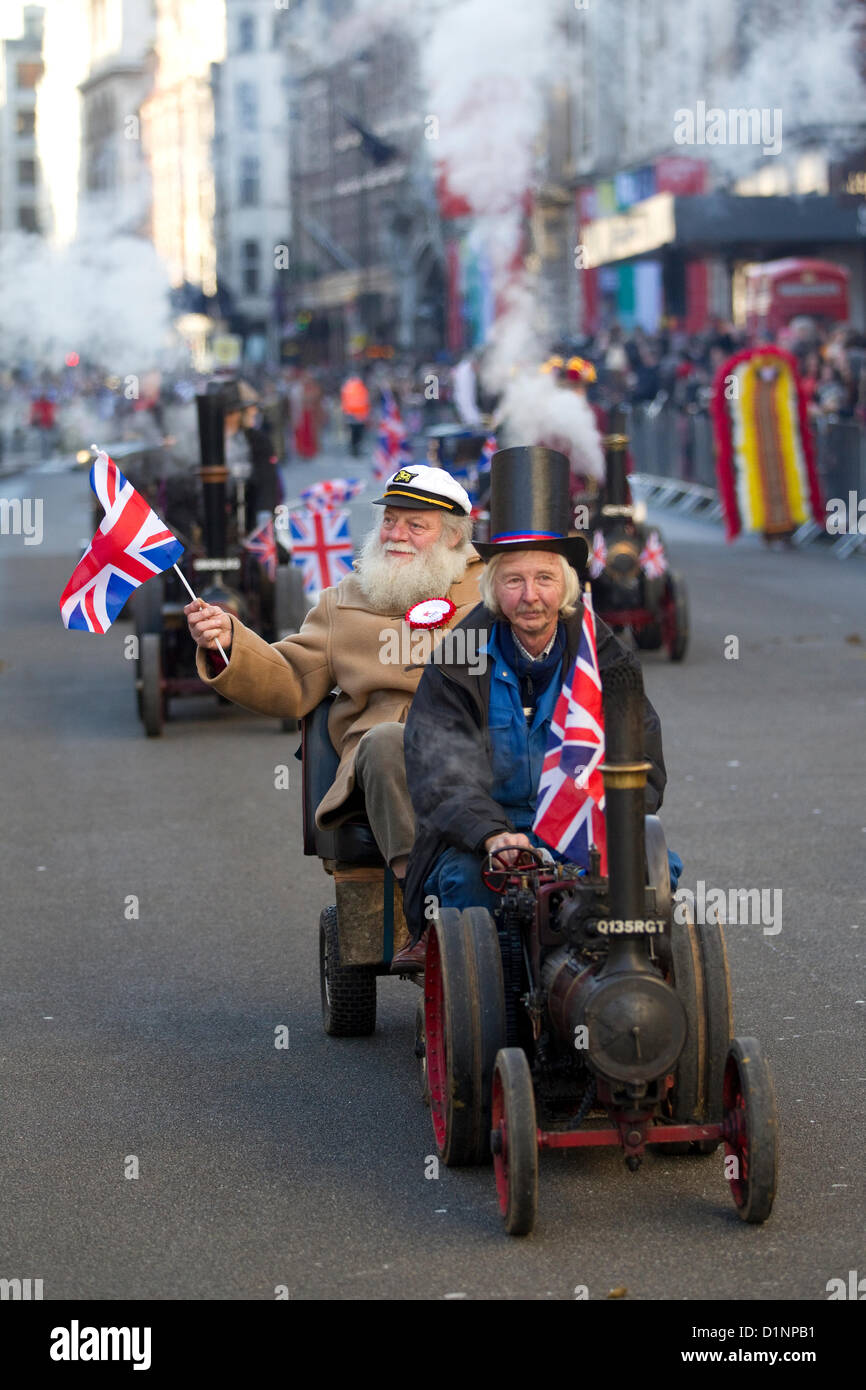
{"points": [[806, 68], [801, 60], [107, 300], [489, 69]]}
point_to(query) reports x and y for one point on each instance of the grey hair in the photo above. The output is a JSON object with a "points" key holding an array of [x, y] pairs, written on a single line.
{"points": [[488, 595], [461, 526]]}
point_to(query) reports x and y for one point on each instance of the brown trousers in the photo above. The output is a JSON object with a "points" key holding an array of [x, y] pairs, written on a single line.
{"points": [[380, 774]]}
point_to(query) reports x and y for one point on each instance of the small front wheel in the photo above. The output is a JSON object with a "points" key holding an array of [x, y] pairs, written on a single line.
{"points": [[348, 991], [421, 1052], [750, 1130], [514, 1141]]}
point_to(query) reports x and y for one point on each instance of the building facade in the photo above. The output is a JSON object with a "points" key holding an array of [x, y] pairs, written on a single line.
{"points": [[21, 69], [683, 180], [114, 187], [251, 173], [367, 273], [177, 127]]}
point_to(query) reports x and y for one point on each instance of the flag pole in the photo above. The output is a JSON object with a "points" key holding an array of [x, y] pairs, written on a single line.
{"points": [[182, 577]]}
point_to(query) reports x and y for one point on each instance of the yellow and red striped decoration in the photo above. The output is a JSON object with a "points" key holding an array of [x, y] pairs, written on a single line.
{"points": [[765, 460]]}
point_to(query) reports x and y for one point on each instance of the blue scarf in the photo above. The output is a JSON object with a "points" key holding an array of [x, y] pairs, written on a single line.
{"points": [[533, 677]]}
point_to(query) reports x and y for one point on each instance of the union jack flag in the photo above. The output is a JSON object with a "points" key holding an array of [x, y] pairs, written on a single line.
{"points": [[334, 492], [570, 808], [488, 449], [131, 546], [652, 557], [262, 543], [322, 545], [393, 450], [598, 557]]}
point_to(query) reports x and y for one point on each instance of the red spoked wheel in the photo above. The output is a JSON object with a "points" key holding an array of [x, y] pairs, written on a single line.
{"points": [[464, 1025], [499, 876], [514, 1141], [750, 1130]]}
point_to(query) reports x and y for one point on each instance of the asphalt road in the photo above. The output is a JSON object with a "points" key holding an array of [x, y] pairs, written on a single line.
{"points": [[153, 1039]]}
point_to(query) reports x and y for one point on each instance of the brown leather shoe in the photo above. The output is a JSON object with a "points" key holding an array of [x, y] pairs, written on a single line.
{"points": [[411, 959]]}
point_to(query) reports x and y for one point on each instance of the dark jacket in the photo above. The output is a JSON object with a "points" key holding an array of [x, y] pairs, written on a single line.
{"points": [[264, 479], [447, 750]]}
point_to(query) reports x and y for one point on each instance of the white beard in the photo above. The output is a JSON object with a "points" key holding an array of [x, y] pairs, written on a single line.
{"points": [[392, 586]]}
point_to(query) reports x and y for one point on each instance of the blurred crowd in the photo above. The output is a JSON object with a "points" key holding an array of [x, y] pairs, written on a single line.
{"points": [[677, 369], [307, 409]]}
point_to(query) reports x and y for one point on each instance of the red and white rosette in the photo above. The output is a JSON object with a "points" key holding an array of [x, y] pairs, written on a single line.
{"points": [[431, 612]]}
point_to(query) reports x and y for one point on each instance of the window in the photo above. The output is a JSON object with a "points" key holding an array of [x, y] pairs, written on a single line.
{"points": [[247, 99], [27, 172], [250, 273], [246, 33], [25, 122], [249, 189], [28, 74], [27, 219]]}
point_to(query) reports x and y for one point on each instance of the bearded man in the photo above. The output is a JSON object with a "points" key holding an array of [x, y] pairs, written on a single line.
{"points": [[422, 549]]}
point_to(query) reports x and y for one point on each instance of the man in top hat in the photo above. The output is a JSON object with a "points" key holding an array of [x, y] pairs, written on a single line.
{"points": [[356, 637], [475, 740]]}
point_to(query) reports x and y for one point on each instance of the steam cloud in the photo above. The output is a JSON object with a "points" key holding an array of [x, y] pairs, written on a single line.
{"points": [[105, 300]]}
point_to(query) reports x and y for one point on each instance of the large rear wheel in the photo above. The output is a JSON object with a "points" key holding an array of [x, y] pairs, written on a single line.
{"points": [[719, 1024], [687, 1096], [675, 618], [464, 1018]]}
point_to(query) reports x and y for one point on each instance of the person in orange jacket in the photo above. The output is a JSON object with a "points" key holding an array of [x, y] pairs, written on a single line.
{"points": [[355, 404]]}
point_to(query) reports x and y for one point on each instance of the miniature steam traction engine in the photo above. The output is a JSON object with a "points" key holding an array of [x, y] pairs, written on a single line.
{"points": [[632, 584], [212, 533], [589, 1013]]}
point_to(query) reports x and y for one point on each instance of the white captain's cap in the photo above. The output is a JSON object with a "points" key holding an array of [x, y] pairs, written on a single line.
{"points": [[421, 488]]}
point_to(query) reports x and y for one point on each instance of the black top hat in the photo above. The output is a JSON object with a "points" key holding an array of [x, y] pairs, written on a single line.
{"points": [[529, 505]]}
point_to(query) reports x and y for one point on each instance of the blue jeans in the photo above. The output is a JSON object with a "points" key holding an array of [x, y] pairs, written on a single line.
{"points": [[456, 879]]}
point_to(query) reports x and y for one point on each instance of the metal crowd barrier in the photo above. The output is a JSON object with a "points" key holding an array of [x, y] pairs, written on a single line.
{"points": [[672, 451]]}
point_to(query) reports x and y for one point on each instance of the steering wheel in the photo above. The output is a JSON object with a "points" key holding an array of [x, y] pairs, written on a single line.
{"points": [[499, 879]]}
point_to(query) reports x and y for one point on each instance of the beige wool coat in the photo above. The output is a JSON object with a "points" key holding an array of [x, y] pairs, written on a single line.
{"points": [[343, 643]]}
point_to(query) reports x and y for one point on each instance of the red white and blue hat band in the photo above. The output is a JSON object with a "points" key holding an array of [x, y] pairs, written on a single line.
{"points": [[527, 536]]}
